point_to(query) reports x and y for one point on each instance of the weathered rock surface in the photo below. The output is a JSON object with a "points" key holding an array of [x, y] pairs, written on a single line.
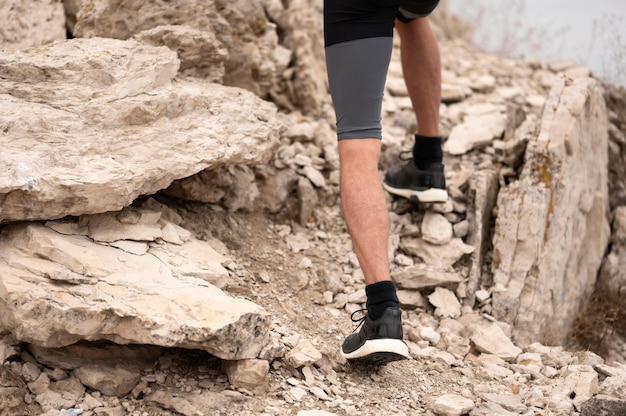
{"points": [[91, 124], [307, 83], [552, 230], [32, 23], [238, 31], [58, 289]]}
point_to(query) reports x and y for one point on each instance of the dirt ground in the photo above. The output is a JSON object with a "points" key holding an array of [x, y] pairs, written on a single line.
{"points": [[296, 301]]}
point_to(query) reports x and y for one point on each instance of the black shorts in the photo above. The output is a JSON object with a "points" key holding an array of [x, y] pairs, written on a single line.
{"points": [[358, 19], [358, 35]]}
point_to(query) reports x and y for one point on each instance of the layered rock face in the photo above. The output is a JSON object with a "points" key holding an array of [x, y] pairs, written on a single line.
{"points": [[234, 35], [90, 125], [100, 279], [552, 228], [107, 122]]}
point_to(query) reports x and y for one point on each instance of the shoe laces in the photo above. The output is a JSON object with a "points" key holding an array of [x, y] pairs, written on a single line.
{"points": [[360, 320], [405, 155]]}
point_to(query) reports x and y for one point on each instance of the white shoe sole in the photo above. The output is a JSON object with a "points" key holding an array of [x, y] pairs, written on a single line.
{"points": [[429, 195], [393, 349]]}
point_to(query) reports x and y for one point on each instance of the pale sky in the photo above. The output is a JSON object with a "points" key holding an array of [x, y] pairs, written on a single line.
{"points": [[591, 32]]}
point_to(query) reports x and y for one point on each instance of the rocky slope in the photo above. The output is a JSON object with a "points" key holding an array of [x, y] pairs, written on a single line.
{"points": [[177, 214]]}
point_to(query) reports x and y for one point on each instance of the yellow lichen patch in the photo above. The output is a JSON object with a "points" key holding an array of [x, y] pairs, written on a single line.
{"points": [[41, 49], [97, 55], [541, 168]]}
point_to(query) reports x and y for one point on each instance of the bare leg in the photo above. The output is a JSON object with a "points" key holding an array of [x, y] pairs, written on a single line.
{"points": [[364, 207], [421, 66], [422, 179], [357, 70]]}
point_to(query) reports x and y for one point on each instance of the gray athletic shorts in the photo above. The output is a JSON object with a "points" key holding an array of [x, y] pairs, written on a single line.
{"points": [[358, 36]]}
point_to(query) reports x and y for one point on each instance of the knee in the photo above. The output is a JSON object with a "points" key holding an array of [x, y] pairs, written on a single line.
{"points": [[360, 153], [413, 9]]}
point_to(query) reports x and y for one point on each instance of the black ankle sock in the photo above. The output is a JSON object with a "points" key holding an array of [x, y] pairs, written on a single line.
{"points": [[426, 151], [380, 296]]}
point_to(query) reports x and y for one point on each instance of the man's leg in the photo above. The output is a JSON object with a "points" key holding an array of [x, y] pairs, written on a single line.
{"points": [[357, 71], [358, 39], [364, 206], [421, 67], [423, 179], [365, 212]]}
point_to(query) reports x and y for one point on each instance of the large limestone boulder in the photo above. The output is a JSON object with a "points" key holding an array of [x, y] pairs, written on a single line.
{"points": [[130, 277], [88, 125], [552, 229], [238, 32]]}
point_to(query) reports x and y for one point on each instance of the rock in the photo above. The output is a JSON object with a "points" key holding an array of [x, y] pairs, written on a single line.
{"points": [[451, 93], [509, 402], [234, 186], [491, 409], [31, 23], [429, 334], [421, 276], [302, 354], [109, 411], [112, 381], [296, 393], [436, 229], [452, 405], [489, 338], [6, 352], [249, 375], [200, 52], [277, 188], [308, 89], [581, 385], [308, 201], [12, 400], [612, 279], [40, 385], [510, 151], [545, 274], [483, 188], [446, 303], [251, 56], [52, 400], [603, 406], [118, 296], [97, 172], [110, 227], [476, 131], [555, 357], [297, 242], [411, 299], [70, 388], [437, 256], [191, 404]]}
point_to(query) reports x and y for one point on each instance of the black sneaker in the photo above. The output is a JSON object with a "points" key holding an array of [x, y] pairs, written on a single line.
{"points": [[428, 185], [378, 341]]}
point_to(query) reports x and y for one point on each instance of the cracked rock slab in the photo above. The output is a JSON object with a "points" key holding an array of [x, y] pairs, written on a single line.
{"points": [[56, 290], [88, 125]]}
